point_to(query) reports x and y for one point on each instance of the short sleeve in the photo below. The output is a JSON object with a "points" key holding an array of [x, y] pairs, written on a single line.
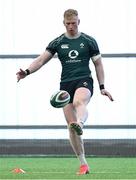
{"points": [[94, 49], [51, 47]]}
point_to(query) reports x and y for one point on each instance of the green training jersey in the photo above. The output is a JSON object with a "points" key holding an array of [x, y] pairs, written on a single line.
{"points": [[74, 55]]}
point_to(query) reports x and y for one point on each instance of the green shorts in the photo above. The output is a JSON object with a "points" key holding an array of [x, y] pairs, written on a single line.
{"points": [[72, 86]]}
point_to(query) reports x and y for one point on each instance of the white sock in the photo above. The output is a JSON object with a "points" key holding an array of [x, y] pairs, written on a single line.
{"points": [[82, 159], [78, 146]]}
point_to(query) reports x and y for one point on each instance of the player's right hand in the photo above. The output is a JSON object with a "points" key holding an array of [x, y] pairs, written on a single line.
{"points": [[21, 74]]}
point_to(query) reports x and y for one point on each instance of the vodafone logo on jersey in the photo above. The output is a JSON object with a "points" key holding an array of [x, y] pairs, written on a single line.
{"points": [[73, 54]]}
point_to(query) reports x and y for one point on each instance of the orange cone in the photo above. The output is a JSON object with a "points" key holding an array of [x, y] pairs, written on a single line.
{"points": [[18, 171]]}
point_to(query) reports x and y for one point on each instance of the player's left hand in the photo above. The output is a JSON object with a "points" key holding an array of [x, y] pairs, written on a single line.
{"points": [[106, 93]]}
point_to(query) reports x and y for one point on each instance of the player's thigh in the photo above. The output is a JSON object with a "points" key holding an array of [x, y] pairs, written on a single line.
{"points": [[82, 96]]}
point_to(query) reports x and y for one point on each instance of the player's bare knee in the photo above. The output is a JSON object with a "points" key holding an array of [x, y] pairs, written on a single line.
{"points": [[78, 103]]}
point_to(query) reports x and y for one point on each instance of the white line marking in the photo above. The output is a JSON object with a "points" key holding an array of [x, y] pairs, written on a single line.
{"points": [[47, 172]]}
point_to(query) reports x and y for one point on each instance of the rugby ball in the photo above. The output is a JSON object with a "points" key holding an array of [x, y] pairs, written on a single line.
{"points": [[60, 99]]}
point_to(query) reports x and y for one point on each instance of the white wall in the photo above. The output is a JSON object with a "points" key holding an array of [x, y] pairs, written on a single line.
{"points": [[27, 26]]}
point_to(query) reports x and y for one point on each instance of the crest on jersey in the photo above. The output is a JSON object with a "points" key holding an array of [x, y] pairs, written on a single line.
{"points": [[82, 45]]}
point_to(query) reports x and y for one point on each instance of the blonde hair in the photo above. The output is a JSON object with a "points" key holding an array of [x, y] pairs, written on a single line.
{"points": [[70, 12]]}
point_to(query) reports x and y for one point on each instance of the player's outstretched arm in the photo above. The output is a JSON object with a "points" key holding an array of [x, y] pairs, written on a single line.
{"points": [[100, 76], [35, 65]]}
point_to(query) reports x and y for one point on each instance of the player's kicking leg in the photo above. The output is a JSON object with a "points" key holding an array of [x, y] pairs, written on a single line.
{"points": [[75, 130]]}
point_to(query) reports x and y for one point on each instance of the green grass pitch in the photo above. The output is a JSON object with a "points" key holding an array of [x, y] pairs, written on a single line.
{"points": [[65, 168]]}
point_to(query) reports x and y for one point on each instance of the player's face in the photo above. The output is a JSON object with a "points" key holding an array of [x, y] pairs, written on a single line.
{"points": [[71, 25]]}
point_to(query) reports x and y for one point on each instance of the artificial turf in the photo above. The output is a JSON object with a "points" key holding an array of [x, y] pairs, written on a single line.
{"points": [[65, 168]]}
